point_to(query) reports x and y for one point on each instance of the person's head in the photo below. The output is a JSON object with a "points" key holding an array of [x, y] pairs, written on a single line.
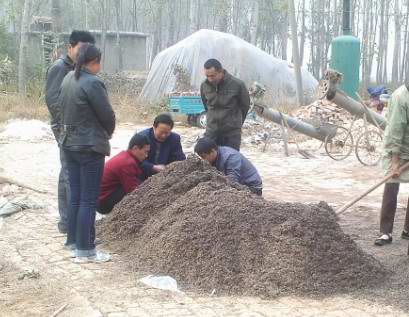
{"points": [[139, 147], [77, 38], [89, 56], [162, 127], [214, 71], [207, 149]]}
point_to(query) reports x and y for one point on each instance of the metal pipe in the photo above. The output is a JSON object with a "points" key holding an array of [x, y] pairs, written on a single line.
{"points": [[297, 125], [354, 107]]}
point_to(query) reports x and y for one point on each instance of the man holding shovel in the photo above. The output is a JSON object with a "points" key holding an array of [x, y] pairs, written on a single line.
{"points": [[396, 147]]}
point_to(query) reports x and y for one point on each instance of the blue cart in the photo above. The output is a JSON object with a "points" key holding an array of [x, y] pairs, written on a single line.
{"points": [[191, 106]]}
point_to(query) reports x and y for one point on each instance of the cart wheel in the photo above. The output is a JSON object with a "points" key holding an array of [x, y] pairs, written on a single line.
{"points": [[340, 145], [368, 149], [201, 120]]}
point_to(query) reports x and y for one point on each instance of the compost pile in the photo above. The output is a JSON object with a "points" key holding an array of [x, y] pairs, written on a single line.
{"points": [[191, 223]]}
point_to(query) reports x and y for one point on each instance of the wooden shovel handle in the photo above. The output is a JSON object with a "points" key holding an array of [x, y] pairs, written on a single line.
{"points": [[359, 197]]}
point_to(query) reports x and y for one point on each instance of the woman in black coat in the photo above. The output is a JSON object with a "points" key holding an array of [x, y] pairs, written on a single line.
{"points": [[88, 122]]}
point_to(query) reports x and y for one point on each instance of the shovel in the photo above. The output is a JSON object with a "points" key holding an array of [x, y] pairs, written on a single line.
{"points": [[403, 168]]}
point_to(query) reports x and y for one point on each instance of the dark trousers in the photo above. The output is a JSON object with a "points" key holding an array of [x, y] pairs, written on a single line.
{"points": [[63, 193], [388, 210], [230, 139], [106, 206], [85, 171]]}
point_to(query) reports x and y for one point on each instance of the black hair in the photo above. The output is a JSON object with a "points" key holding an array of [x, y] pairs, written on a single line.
{"points": [[81, 36], [205, 146], [87, 53], [139, 141], [213, 63], [165, 119]]}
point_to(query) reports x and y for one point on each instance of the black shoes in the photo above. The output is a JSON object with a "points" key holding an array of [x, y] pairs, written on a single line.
{"points": [[405, 235], [384, 239], [62, 228]]}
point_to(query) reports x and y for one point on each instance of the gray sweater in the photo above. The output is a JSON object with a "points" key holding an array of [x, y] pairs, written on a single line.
{"points": [[237, 168]]}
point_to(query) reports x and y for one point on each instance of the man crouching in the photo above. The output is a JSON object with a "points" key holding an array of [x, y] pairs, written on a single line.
{"points": [[122, 173], [231, 163]]}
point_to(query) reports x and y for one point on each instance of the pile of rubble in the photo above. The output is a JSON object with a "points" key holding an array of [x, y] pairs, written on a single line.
{"points": [[125, 83], [323, 112]]}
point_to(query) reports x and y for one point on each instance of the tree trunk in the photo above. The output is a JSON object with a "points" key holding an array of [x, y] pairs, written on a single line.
{"points": [[192, 15], [397, 47], [104, 9], [254, 21], [56, 15], [405, 43], [236, 9], [303, 33], [172, 23], [118, 37], [297, 66], [157, 40], [379, 70], [199, 13], [134, 16], [386, 43], [25, 23], [365, 45], [86, 14]]}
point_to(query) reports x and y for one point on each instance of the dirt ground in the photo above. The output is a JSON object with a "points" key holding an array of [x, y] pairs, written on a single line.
{"points": [[37, 277]]}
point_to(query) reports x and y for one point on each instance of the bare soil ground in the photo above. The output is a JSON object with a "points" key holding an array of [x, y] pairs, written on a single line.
{"points": [[30, 243]]}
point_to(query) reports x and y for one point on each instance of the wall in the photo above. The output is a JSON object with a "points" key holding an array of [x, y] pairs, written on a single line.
{"points": [[133, 50]]}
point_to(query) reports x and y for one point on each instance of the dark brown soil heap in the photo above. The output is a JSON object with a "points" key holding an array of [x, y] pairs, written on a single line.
{"points": [[189, 222]]}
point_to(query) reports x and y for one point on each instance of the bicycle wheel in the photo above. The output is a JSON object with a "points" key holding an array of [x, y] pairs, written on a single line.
{"points": [[368, 148], [340, 145]]}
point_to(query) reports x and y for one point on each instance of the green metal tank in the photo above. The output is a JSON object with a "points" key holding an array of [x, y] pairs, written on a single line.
{"points": [[346, 58]]}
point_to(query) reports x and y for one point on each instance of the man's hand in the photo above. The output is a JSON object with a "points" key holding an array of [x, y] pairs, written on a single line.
{"points": [[158, 168], [395, 168]]}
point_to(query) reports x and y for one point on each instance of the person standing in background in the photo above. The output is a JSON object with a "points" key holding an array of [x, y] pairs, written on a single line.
{"points": [[55, 75], [88, 123], [227, 102]]}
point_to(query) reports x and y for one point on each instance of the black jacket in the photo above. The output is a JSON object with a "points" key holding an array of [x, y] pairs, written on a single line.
{"points": [[87, 117], [227, 104], [55, 75], [169, 151]]}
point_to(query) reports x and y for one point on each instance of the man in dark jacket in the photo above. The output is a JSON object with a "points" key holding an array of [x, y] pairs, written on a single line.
{"points": [[227, 102], [55, 75], [231, 163], [122, 173], [165, 146]]}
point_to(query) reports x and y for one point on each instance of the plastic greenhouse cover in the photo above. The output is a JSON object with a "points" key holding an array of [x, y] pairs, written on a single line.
{"points": [[237, 56]]}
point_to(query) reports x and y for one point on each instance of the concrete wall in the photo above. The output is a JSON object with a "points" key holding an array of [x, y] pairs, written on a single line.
{"points": [[133, 50]]}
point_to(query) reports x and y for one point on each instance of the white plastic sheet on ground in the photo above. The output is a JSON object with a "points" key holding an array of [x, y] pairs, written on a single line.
{"points": [[26, 130], [166, 283], [237, 56]]}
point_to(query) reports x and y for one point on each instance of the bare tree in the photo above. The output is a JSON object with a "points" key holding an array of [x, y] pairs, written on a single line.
{"points": [[118, 12], [254, 21], [104, 17], [25, 25], [397, 47], [57, 17]]}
